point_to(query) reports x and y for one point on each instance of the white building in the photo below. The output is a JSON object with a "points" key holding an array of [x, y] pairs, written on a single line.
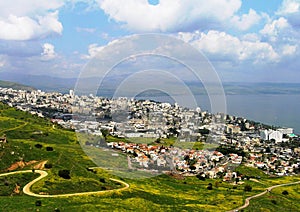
{"points": [[264, 135], [276, 135], [271, 134], [286, 131]]}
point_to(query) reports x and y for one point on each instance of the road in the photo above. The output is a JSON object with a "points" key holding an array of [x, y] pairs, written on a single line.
{"points": [[247, 201], [26, 188]]}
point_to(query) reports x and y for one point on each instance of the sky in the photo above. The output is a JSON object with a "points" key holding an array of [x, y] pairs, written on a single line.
{"points": [[245, 40]]}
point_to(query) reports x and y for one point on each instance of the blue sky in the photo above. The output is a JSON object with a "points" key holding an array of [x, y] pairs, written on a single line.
{"points": [[245, 40]]}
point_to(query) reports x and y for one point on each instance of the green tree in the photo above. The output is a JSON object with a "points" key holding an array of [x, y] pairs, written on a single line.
{"points": [[64, 174], [105, 133], [209, 187], [248, 188]]}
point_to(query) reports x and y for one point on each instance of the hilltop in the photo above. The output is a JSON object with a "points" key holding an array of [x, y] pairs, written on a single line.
{"points": [[16, 86]]}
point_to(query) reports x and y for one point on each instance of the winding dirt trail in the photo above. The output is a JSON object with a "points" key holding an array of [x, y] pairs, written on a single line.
{"points": [[247, 201], [26, 188]]}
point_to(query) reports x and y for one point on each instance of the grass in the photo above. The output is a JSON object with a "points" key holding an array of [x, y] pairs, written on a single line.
{"points": [[250, 171], [66, 154], [276, 201], [8, 183]]}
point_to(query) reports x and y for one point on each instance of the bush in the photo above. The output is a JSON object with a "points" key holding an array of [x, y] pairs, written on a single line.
{"points": [[200, 177], [48, 165], [39, 146], [285, 192], [64, 174], [248, 188], [274, 201], [209, 187], [38, 203], [49, 148]]}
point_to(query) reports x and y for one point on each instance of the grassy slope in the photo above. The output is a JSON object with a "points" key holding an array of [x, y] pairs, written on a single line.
{"points": [[276, 201], [160, 193]]}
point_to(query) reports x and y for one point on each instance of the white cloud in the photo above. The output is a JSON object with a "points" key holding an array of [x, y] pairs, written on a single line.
{"points": [[246, 21], [28, 7], [93, 50], [88, 30], [252, 37], [48, 52], [25, 28], [170, 15], [289, 49], [273, 29], [227, 47], [30, 19], [289, 7]]}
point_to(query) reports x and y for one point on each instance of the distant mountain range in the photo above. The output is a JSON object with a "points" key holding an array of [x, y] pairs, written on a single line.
{"points": [[45, 83], [63, 85]]}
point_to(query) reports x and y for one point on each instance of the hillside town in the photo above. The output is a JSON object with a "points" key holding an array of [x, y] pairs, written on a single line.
{"points": [[227, 141]]}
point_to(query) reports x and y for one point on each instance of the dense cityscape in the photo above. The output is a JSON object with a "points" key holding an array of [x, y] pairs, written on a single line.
{"points": [[227, 140]]}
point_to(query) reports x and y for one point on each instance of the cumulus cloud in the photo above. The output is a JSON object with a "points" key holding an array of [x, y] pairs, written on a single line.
{"points": [[26, 28], [228, 47], [279, 31], [48, 52], [93, 50], [30, 19], [291, 10], [246, 21], [289, 49], [28, 7], [289, 7], [170, 15], [273, 28]]}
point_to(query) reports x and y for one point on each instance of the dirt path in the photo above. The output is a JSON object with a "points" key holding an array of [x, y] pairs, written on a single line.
{"points": [[26, 188], [247, 201], [14, 128]]}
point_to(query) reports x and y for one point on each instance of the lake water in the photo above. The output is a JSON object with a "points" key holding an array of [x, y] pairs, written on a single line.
{"points": [[277, 110]]}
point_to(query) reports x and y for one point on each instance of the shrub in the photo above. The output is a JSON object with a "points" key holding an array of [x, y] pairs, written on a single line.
{"points": [[200, 177], [285, 192], [38, 203], [48, 165], [248, 188], [209, 187], [49, 148], [64, 174], [39, 146], [102, 180]]}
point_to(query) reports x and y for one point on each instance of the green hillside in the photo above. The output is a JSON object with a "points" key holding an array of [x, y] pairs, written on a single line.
{"points": [[16, 86], [32, 140]]}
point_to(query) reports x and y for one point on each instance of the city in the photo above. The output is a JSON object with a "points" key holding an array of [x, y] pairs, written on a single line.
{"points": [[227, 140]]}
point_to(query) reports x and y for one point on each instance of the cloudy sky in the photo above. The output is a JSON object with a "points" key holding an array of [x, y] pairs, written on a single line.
{"points": [[245, 40]]}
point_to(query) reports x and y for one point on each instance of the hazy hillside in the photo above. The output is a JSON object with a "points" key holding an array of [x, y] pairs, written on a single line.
{"points": [[16, 86], [63, 85]]}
